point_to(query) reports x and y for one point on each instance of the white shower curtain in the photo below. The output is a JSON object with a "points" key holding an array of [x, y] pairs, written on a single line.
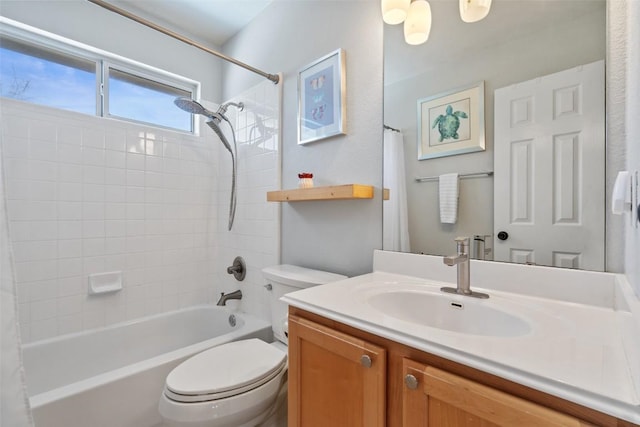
{"points": [[14, 403], [395, 236]]}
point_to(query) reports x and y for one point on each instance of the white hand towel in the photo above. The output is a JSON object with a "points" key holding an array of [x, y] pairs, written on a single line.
{"points": [[448, 198]]}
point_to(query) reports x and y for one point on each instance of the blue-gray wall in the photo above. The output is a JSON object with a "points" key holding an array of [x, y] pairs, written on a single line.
{"points": [[338, 236]]}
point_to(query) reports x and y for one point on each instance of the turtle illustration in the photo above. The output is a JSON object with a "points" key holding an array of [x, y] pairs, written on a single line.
{"points": [[448, 124]]}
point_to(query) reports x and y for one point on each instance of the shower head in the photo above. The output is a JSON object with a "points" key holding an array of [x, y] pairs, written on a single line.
{"points": [[194, 107], [191, 106]]}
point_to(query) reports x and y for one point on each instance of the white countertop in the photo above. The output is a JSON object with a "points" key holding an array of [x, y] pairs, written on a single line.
{"points": [[576, 351]]}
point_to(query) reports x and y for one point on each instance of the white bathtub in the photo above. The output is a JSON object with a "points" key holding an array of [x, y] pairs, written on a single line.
{"points": [[113, 376]]}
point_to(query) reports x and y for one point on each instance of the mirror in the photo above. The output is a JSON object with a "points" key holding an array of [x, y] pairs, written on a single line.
{"points": [[518, 47]]}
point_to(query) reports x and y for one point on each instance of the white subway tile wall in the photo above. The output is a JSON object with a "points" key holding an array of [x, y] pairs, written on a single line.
{"points": [[256, 231], [89, 195]]}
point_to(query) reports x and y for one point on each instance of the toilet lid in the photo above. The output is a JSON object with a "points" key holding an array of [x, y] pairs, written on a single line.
{"points": [[225, 368]]}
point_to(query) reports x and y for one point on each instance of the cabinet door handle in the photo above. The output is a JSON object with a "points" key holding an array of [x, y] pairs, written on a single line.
{"points": [[411, 381], [365, 361]]}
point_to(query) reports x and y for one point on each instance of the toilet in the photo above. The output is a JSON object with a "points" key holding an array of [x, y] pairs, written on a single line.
{"points": [[241, 383]]}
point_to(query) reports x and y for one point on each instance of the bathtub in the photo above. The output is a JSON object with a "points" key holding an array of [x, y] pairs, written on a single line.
{"points": [[113, 376]]}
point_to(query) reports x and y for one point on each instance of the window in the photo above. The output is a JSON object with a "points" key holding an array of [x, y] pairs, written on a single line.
{"points": [[145, 100], [41, 76], [45, 69]]}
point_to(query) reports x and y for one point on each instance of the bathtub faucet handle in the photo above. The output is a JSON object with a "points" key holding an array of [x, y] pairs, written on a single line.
{"points": [[238, 269]]}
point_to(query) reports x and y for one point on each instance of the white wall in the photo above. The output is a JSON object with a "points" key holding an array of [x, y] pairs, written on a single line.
{"points": [[337, 236], [623, 107], [87, 23], [632, 248], [616, 94], [548, 50], [91, 195]]}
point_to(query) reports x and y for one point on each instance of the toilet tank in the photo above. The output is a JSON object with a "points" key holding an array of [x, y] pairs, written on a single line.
{"points": [[285, 278]]}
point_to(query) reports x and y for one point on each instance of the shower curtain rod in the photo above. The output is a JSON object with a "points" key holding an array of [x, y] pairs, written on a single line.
{"points": [[273, 77]]}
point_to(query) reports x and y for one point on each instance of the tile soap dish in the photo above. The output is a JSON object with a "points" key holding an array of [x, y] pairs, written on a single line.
{"points": [[103, 283]]}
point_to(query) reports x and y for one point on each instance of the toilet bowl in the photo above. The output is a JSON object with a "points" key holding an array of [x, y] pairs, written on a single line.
{"points": [[231, 385], [242, 383]]}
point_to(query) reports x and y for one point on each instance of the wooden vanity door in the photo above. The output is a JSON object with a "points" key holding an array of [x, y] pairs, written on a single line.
{"points": [[334, 379], [440, 399]]}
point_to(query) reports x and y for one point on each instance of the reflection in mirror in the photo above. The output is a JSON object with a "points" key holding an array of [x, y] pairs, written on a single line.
{"points": [[539, 183]]}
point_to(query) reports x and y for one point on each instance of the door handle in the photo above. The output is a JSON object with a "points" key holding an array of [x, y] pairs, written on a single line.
{"points": [[411, 381], [503, 235], [365, 361]]}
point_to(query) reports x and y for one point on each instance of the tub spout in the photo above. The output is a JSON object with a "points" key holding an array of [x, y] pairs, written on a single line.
{"points": [[233, 295]]}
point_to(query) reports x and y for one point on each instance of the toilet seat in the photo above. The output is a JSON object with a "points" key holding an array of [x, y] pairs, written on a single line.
{"points": [[225, 388], [225, 371]]}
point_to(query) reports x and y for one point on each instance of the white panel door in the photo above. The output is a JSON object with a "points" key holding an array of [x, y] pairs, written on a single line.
{"points": [[549, 170]]}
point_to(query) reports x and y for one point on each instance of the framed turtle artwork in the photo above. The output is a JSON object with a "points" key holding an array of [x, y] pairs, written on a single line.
{"points": [[451, 122]]}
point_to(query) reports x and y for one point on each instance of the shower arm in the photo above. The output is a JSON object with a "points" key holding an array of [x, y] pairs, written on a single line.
{"points": [[220, 114], [273, 77], [223, 108]]}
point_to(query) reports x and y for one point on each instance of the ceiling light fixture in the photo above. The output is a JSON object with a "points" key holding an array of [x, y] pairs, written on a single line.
{"points": [[394, 11], [417, 26], [416, 15], [474, 10]]}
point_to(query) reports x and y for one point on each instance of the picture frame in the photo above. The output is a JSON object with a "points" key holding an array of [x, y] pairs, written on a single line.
{"points": [[451, 122], [321, 98]]}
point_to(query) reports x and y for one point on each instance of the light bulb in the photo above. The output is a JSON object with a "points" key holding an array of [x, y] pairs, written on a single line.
{"points": [[418, 23], [474, 10], [394, 11]]}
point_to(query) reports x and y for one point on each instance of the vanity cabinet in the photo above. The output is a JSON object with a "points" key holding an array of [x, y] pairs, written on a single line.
{"points": [[335, 379], [330, 385], [433, 397]]}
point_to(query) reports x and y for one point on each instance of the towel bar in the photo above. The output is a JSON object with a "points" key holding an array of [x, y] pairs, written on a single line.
{"points": [[464, 175]]}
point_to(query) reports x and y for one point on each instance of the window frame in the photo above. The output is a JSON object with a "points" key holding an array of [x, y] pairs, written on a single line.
{"points": [[22, 33]]}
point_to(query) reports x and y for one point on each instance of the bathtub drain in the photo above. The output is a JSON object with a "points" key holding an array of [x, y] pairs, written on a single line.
{"points": [[232, 320]]}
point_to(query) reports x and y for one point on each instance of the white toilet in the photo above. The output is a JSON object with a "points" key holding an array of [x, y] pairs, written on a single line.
{"points": [[241, 383]]}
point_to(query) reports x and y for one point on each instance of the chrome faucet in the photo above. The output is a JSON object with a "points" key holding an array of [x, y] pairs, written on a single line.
{"points": [[461, 259], [225, 297]]}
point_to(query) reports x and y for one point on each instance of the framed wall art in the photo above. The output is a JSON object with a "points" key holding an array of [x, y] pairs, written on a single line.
{"points": [[451, 122], [321, 98]]}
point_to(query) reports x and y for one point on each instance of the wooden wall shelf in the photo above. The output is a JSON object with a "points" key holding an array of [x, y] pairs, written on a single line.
{"points": [[333, 192]]}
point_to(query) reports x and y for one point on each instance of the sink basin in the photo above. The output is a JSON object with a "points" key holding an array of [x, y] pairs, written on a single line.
{"points": [[461, 314]]}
